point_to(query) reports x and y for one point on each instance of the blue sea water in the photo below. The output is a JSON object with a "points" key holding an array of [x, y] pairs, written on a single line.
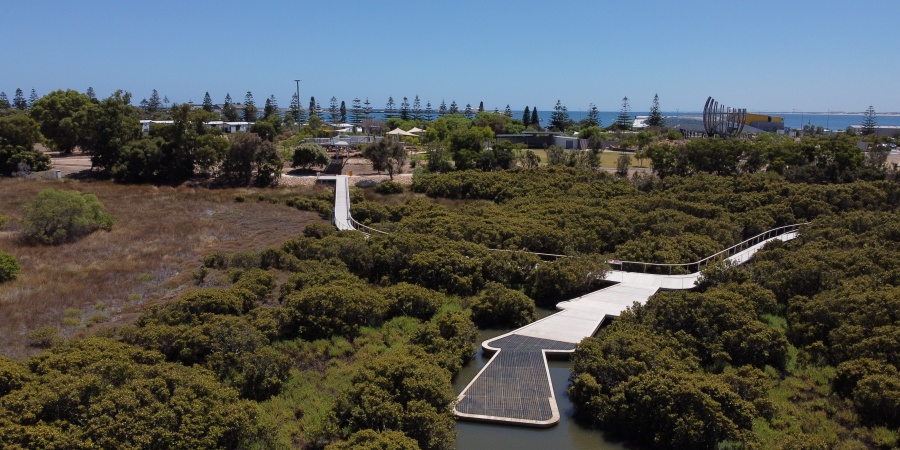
{"points": [[837, 121], [832, 121]]}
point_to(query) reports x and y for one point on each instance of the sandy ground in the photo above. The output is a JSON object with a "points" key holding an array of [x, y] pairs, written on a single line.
{"points": [[359, 168]]}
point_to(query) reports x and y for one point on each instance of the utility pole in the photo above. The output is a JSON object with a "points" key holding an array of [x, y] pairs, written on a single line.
{"points": [[298, 105]]}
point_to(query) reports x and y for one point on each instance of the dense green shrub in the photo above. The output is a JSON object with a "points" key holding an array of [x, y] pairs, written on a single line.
{"points": [[389, 187], [99, 393], [401, 393], [374, 440], [335, 309], [498, 306], [58, 216], [307, 155], [9, 267], [406, 299], [564, 279], [449, 338], [13, 159]]}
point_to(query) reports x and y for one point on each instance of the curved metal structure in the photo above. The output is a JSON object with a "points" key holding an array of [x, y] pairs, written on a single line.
{"points": [[720, 120]]}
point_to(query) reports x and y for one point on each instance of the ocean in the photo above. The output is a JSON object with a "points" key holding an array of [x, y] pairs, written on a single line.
{"points": [[832, 121], [837, 121]]}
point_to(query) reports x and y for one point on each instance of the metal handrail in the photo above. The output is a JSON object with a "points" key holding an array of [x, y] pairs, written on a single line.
{"points": [[730, 251], [357, 223]]}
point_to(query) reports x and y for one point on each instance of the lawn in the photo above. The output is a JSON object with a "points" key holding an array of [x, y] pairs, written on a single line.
{"points": [[607, 159]]}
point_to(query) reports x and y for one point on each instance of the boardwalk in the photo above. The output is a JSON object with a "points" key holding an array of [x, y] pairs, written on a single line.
{"points": [[341, 216], [514, 386]]}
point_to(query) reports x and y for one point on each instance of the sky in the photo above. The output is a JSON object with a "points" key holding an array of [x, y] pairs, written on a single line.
{"points": [[772, 56]]}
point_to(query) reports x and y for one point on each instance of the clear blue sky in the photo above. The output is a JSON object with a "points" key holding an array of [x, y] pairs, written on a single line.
{"points": [[762, 55]]}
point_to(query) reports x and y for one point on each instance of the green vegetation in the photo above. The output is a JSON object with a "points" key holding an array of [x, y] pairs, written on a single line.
{"points": [[330, 339], [58, 216], [801, 334], [9, 267], [307, 155], [389, 187]]}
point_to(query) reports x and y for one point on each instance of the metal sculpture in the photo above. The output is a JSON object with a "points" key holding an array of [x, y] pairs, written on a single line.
{"points": [[722, 121]]}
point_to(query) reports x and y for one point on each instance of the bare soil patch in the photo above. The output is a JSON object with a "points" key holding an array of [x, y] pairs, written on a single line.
{"points": [[158, 241]]}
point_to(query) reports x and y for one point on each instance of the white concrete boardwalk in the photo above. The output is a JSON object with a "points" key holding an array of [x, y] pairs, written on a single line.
{"points": [[501, 396], [341, 218], [582, 316]]}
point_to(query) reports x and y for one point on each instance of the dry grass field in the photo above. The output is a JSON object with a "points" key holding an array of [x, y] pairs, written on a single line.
{"points": [[160, 238]]}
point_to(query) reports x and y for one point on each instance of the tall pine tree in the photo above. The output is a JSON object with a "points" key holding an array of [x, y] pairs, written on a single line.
{"points": [[656, 118], [560, 117], [32, 98], [526, 116], [624, 119], [453, 108], [390, 109], [154, 103], [312, 106], [508, 112], [207, 102], [356, 111], [535, 120], [295, 108], [229, 111], [429, 113], [404, 109], [19, 101], [869, 124], [442, 109], [90, 93], [343, 112], [417, 109], [593, 118], [271, 107], [250, 109], [334, 110], [481, 106], [4, 101]]}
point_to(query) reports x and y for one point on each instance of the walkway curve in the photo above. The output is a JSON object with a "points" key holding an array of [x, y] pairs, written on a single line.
{"points": [[514, 387]]}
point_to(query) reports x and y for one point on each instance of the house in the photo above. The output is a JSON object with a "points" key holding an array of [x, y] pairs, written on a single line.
{"points": [[543, 139], [226, 127]]}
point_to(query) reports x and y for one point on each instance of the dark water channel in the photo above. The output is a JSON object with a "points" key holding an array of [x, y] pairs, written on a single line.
{"points": [[566, 435]]}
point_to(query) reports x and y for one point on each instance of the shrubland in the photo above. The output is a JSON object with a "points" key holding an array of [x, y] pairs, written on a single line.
{"points": [[324, 338]]}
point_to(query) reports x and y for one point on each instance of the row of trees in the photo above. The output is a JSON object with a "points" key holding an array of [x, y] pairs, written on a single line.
{"points": [[814, 158], [109, 130]]}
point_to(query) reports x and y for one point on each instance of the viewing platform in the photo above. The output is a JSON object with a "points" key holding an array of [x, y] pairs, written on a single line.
{"points": [[514, 387]]}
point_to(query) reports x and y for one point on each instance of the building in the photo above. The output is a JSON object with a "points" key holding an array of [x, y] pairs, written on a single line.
{"points": [[880, 130], [769, 124], [543, 139], [226, 127]]}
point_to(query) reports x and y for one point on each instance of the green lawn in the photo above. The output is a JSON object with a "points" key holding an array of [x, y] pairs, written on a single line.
{"points": [[607, 159]]}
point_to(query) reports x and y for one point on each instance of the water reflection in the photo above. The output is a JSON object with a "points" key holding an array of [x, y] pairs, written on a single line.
{"points": [[566, 435]]}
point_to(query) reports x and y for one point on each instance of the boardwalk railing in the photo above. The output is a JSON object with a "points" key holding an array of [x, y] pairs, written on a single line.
{"points": [[680, 268], [625, 266], [359, 225], [696, 266]]}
